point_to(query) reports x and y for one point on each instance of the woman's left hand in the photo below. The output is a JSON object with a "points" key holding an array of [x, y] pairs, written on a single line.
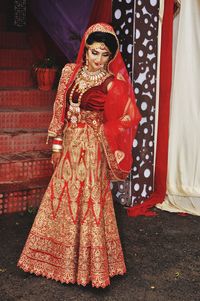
{"points": [[55, 159]]}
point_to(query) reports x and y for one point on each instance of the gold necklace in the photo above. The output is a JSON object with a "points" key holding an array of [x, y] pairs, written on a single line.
{"points": [[83, 82]]}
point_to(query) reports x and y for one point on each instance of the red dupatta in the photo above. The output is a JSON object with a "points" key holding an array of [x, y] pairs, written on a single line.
{"points": [[121, 115]]}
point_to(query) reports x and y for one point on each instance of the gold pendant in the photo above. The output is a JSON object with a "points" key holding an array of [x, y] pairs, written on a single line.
{"points": [[74, 115]]}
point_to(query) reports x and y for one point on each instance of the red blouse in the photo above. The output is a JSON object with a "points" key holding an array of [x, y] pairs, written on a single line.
{"points": [[94, 98]]}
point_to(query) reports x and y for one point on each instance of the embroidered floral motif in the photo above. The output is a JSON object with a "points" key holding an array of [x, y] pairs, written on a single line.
{"points": [[119, 156]]}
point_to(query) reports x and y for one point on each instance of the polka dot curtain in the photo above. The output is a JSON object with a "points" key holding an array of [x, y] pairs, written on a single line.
{"points": [[136, 24]]}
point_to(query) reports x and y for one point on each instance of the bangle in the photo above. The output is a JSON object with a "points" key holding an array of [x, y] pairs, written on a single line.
{"points": [[57, 144], [57, 140], [56, 147], [56, 151]]}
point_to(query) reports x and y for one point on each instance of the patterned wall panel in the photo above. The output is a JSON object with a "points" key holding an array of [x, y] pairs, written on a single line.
{"points": [[136, 24], [19, 13]]}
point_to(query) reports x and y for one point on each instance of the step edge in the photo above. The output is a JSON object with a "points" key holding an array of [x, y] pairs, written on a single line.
{"points": [[24, 185], [24, 156]]}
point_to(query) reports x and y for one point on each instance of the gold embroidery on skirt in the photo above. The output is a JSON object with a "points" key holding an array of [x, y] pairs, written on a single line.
{"points": [[74, 237]]}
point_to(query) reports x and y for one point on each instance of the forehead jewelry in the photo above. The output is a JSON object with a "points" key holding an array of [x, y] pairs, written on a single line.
{"points": [[98, 45]]}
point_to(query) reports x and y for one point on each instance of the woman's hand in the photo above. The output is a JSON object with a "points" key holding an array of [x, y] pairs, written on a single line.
{"points": [[55, 158]]}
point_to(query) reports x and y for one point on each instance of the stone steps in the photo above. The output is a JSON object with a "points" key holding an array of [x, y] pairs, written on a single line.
{"points": [[26, 98], [20, 78], [20, 140], [13, 40], [16, 58], [25, 113], [22, 196], [14, 118], [25, 166]]}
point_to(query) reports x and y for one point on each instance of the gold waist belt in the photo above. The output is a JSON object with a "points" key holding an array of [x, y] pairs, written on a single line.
{"points": [[92, 118]]}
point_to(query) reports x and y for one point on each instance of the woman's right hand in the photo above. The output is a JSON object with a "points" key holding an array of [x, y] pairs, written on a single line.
{"points": [[55, 158]]}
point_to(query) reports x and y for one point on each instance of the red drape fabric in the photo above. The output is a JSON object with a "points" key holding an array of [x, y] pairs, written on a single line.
{"points": [[121, 123], [41, 43], [101, 12], [36, 38], [163, 118]]}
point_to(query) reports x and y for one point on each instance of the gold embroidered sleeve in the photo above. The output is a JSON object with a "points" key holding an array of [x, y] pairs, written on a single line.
{"points": [[56, 125]]}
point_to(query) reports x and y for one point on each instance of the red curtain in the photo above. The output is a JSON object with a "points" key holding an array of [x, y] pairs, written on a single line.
{"points": [[101, 12], [41, 43], [36, 37], [163, 118]]}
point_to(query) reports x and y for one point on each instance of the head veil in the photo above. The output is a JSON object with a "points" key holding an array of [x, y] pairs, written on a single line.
{"points": [[121, 114]]}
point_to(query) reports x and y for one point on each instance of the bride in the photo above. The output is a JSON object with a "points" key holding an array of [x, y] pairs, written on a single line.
{"points": [[74, 238]]}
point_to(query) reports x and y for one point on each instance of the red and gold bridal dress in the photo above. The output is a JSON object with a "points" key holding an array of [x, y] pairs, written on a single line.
{"points": [[74, 237]]}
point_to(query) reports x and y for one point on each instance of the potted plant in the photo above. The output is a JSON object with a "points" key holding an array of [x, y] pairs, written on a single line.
{"points": [[45, 71]]}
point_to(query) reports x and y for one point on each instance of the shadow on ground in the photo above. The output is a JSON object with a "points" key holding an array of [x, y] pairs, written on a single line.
{"points": [[162, 255]]}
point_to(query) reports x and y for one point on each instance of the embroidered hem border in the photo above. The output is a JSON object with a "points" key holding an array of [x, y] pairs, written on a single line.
{"points": [[53, 277]]}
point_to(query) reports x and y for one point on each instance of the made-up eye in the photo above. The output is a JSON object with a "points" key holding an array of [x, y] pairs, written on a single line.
{"points": [[94, 52]]}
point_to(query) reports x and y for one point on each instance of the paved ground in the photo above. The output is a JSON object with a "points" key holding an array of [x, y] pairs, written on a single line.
{"points": [[162, 256]]}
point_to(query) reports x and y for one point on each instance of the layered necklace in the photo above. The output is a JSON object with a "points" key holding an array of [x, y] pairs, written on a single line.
{"points": [[83, 82]]}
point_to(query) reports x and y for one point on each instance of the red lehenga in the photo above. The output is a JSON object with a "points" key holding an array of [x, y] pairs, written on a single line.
{"points": [[74, 238]]}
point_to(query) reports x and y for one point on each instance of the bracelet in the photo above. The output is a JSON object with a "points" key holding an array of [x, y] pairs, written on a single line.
{"points": [[56, 147], [57, 140], [57, 144], [56, 151]]}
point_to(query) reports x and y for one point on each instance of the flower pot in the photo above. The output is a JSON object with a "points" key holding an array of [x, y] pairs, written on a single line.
{"points": [[46, 78]]}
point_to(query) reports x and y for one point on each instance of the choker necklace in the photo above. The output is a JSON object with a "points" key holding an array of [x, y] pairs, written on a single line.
{"points": [[83, 82], [86, 79], [93, 76]]}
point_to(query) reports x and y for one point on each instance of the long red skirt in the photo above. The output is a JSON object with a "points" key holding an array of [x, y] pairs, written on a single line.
{"points": [[74, 238]]}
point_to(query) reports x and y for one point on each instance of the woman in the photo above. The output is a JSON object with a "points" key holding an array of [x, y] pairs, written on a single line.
{"points": [[74, 237]]}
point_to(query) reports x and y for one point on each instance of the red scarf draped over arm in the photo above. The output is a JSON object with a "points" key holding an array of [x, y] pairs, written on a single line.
{"points": [[121, 118]]}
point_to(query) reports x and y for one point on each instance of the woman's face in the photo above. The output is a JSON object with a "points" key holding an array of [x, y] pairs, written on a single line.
{"points": [[97, 56]]}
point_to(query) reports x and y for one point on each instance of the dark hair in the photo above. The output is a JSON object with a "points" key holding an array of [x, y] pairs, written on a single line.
{"points": [[105, 37]]}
